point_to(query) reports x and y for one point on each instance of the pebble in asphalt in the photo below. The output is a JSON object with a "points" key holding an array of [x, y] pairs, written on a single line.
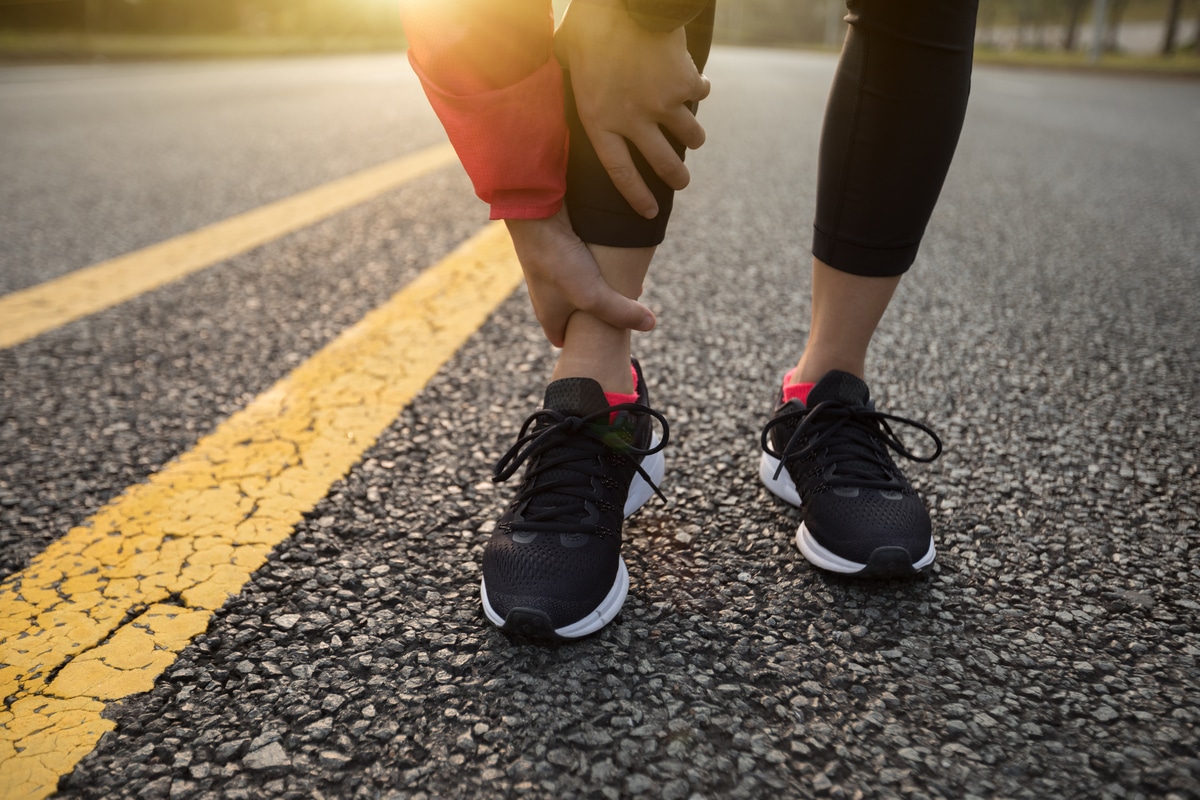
{"points": [[1051, 652]]}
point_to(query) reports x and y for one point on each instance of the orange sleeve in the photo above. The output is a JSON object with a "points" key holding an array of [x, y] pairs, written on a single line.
{"points": [[489, 72]]}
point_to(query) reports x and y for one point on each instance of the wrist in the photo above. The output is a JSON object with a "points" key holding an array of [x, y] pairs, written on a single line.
{"points": [[514, 221], [517, 206], [519, 226]]}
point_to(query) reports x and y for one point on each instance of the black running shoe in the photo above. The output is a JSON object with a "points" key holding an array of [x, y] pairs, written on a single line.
{"points": [[830, 457], [553, 567]]}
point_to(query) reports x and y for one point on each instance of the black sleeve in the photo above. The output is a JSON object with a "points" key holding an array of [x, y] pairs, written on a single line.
{"points": [[664, 15]]}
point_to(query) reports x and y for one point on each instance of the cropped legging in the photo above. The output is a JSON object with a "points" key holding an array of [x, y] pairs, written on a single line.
{"points": [[891, 126]]}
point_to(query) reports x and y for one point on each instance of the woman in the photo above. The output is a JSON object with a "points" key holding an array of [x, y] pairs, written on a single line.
{"points": [[575, 139]]}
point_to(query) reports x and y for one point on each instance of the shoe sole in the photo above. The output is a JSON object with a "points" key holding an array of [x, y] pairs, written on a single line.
{"points": [[885, 562], [537, 624]]}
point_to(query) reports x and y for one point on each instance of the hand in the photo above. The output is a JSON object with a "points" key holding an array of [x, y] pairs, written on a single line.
{"points": [[563, 278], [628, 81]]}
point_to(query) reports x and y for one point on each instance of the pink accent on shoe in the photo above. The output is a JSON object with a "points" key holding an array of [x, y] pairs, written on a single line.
{"points": [[795, 391], [615, 399]]}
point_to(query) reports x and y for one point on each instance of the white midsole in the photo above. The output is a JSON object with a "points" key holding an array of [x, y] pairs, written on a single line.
{"points": [[819, 556], [784, 488], [604, 613]]}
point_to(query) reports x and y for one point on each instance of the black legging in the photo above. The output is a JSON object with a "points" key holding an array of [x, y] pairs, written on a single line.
{"points": [[891, 126], [598, 212]]}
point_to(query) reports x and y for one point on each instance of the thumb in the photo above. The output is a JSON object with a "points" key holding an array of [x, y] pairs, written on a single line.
{"points": [[621, 312]]}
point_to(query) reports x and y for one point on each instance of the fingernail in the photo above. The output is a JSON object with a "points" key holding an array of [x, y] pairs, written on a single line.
{"points": [[650, 212]]}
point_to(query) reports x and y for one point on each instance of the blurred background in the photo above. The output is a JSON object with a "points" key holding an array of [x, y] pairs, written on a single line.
{"points": [[215, 27]]}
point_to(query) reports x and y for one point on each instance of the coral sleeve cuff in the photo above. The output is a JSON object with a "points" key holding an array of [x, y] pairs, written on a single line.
{"points": [[511, 141]]}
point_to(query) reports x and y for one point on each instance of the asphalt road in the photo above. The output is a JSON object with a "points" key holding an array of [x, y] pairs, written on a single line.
{"points": [[1048, 332]]}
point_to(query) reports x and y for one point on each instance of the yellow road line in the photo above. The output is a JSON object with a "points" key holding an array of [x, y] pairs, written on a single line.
{"points": [[105, 609], [41, 308]]}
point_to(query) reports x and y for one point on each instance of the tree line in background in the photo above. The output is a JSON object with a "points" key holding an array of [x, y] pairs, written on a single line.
{"points": [[1060, 24], [758, 22], [1026, 24], [1038, 24]]}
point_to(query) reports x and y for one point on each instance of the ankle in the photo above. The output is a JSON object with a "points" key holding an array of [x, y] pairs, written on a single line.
{"points": [[613, 374], [596, 350], [810, 369]]}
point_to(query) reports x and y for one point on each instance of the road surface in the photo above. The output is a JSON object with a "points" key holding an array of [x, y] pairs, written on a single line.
{"points": [[1048, 332]]}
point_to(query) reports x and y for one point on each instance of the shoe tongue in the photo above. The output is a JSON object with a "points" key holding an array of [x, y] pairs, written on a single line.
{"points": [[847, 389], [839, 387], [576, 397]]}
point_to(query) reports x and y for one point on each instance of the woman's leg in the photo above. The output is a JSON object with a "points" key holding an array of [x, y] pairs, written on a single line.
{"points": [[891, 127], [846, 309], [553, 566], [620, 239]]}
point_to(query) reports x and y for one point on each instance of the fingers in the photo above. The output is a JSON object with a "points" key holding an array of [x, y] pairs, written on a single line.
{"points": [[684, 126], [593, 295], [662, 158], [562, 277], [610, 306], [613, 153], [554, 308]]}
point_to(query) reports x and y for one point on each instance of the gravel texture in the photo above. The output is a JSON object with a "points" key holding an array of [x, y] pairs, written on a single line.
{"points": [[102, 403], [1047, 333]]}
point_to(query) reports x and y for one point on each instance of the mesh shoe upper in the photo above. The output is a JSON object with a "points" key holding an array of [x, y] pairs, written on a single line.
{"points": [[556, 549], [835, 448]]}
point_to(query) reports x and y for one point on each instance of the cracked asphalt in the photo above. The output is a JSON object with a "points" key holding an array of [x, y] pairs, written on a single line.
{"points": [[1048, 333]]}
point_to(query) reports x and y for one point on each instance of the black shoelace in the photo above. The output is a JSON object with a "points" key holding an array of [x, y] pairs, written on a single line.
{"points": [[572, 445], [855, 439]]}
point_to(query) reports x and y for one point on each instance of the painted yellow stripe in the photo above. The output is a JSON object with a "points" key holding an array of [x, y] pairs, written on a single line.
{"points": [[41, 308], [106, 608]]}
